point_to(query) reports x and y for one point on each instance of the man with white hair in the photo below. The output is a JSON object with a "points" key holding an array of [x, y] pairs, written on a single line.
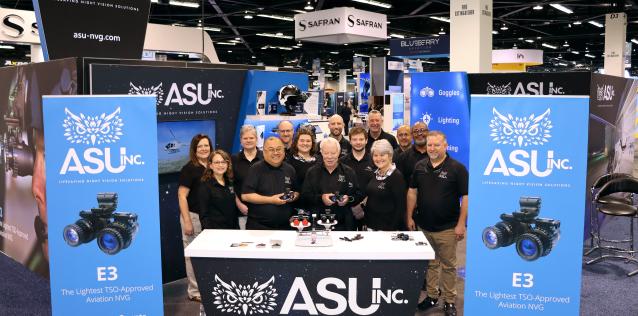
{"points": [[333, 187]]}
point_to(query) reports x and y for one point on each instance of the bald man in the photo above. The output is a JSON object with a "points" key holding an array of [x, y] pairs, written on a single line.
{"points": [[336, 124], [404, 137]]}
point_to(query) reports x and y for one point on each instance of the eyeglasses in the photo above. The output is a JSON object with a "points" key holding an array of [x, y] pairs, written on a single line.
{"points": [[285, 131], [277, 150], [419, 131], [221, 162]]}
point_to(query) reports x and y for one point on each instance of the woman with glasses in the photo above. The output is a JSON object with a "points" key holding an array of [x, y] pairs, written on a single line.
{"points": [[302, 153], [217, 203], [386, 191], [189, 180]]}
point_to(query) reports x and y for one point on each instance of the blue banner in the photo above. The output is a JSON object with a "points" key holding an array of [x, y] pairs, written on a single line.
{"points": [[102, 201], [527, 189], [428, 46], [441, 100]]}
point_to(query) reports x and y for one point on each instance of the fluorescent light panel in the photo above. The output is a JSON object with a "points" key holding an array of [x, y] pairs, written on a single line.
{"points": [[442, 19], [212, 29], [397, 35], [594, 23], [561, 8], [184, 4], [549, 46], [6, 47], [590, 56], [375, 3], [633, 40], [226, 43], [274, 35], [276, 17]]}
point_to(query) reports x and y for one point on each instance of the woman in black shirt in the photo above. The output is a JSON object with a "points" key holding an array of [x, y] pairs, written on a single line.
{"points": [[217, 205], [303, 153], [386, 191]]}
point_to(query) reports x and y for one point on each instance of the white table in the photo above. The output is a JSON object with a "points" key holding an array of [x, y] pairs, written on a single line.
{"points": [[374, 275]]}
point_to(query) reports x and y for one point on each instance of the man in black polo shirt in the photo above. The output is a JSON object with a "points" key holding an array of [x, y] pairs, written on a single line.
{"points": [[408, 159], [375, 130], [328, 181], [265, 187], [286, 133], [360, 161], [436, 187], [404, 138], [335, 123]]}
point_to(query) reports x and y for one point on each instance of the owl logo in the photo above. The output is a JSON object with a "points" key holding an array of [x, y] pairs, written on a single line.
{"points": [[520, 131], [499, 89], [244, 299], [157, 91], [426, 92], [93, 130]]}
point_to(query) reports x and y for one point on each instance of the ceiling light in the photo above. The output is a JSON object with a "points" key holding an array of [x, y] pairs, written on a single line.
{"points": [[561, 8], [154, 1], [361, 55], [278, 35], [285, 48], [226, 43], [563, 64], [633, 40], [538, 7], [575, 52], [345, 44], [247, 15], [538, 37], [397, 35], [230, 51], [212, 29], [442, 31], [334, 53], [276, 17], [566, 44], [504, 28], [308, 6], [6, 47], [238, 38], [549, 46], [590, 56], [594, 23], [442, 19], [529, 40], [375, 3], [494, 32], [184, 4], [253, 57], [578, 22]]}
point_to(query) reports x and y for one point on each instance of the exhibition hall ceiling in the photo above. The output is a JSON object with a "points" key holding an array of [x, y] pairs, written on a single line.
{"points": [[237, 27]]}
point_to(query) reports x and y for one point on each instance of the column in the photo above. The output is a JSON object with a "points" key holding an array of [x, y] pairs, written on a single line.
{"points": [[343, 80], [471, 36], [615, 37]]}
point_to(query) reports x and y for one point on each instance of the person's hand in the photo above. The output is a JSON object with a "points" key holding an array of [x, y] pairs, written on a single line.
{"points": [[277, 199], [344, 200], [459, 231], [243, 209], [295, 196], [410, 223], [187, 227], [326, 198]]}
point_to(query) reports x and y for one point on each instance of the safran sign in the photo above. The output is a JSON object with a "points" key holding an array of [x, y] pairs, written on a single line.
{"points": [[341, 25], [104, 242]]}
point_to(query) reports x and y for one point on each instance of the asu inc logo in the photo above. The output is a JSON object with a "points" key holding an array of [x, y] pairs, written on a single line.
{"points": [[98, 133], [523, 132]]}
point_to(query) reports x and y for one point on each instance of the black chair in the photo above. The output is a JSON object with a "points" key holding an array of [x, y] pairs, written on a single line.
{"points": [[614, 206], [593, 216]]}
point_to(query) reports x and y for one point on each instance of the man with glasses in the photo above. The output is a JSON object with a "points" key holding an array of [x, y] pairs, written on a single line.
{"points": [[408, 159], [270, 188], [285, 130]]}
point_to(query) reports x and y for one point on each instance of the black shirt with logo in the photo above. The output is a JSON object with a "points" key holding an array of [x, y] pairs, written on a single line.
{"points": [[343, 181], [265, 179], [407, 161], [191, 176], [385, 208], [241, 166], [346, 148], [301, 166], [439, 191], [217, 205], [364, 168], [383, 135]]}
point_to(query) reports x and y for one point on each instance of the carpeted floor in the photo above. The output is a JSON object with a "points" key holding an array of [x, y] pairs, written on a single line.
{"points": [[606, 290]]}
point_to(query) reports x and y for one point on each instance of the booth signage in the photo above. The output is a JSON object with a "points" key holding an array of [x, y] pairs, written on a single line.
{"points": [[308, 287], [429, 46], [341, 25], [527, 180], [105, 239], [523, 84], [440, 100], [18, 26], [510, 56], [105, 28]]}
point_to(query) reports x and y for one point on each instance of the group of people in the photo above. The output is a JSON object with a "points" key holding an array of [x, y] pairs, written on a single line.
{"points": [[370, 181]]}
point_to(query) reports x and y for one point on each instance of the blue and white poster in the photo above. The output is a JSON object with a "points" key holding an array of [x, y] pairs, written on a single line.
{"points": [[102, 201], [527, 193], [441, 100]]}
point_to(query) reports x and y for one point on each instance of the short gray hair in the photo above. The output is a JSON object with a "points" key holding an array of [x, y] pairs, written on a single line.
{"points": [[382, 147], [247, 129], [328, 141]]}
